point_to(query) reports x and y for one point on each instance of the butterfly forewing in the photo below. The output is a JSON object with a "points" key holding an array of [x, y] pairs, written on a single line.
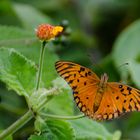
{"points": [[68, 69], [83, 82]]}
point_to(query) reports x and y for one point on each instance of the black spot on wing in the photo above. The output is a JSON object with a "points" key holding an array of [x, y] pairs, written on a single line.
{"points": [[117, 97], [124, 101], [76, 97], [75, 92], [85, 83], [122, 90], [120, 86], [74, 87], [89, 73], [82, 69], [70, 82], [86, 74], [123, 109], [108, 105], [129, 89]]}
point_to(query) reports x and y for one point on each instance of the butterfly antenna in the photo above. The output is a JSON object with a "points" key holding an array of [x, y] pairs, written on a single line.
{"points": [[95, 60], [124, 64]]}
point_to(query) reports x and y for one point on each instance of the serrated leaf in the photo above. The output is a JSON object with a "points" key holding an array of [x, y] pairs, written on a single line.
{"points": [[48, 72], [87, 129], [127, 49], [36, 17], [63, 102], [17, 72], [25, 42], [55, 130]]}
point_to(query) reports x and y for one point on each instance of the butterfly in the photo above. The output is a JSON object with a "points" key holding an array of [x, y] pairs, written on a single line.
{"points": [[95, 97]]}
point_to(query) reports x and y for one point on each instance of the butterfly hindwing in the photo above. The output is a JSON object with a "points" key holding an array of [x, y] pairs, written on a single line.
{"points": [[118, 99], [126, 98]]}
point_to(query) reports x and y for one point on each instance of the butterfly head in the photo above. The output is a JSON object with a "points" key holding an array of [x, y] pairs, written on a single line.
{"points": [[104, 79]]}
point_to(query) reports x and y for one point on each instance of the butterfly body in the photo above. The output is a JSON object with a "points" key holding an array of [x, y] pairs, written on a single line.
{"points": [[97, 98]]}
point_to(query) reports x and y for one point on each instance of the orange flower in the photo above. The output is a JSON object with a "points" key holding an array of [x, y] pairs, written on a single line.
{"points": [[46, 32]]}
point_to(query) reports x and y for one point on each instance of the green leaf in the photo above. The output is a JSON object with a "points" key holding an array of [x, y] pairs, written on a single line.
{"points": [[63, 98], [63, 102], [12, 103], [87, 129], [17, 72], [127, 49], [13, 35], [48, 72], [55, 130], [36, 17], [25, 42]]}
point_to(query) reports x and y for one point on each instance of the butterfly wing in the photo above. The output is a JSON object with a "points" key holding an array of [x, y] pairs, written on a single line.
{"points": [[117, 100], [83, 82]]}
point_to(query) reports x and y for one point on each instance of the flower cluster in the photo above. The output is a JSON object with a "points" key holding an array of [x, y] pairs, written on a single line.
{"points": [[47, 32]]}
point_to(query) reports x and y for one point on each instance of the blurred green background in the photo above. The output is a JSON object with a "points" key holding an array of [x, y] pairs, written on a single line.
{"points": [[99, 34]]}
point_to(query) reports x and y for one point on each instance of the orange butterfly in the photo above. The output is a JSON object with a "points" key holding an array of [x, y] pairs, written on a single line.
{"points": [[97, 98]]}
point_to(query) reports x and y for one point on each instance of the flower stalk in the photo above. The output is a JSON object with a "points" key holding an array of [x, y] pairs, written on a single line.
{"points": [[62, 117], [40, 64], [45, 33], [28, 115]]}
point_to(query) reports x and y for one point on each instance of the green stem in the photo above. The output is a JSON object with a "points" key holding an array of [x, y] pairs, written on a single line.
{"points": [[40, 64], [62, 117], [29, 115], [49, 97], [18, 124]]}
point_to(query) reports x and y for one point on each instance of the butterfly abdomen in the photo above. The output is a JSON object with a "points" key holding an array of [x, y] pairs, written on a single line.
{"points": [[97, 102]]}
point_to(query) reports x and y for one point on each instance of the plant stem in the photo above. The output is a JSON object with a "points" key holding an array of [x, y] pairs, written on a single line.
{"points": [[50, 94], [28, 115], [62, 117], [40, 64], [18, 124]]}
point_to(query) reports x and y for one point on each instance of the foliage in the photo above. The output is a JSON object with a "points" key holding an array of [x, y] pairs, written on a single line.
{"points": [[103, 37], [17, 72], [129, 42]]}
